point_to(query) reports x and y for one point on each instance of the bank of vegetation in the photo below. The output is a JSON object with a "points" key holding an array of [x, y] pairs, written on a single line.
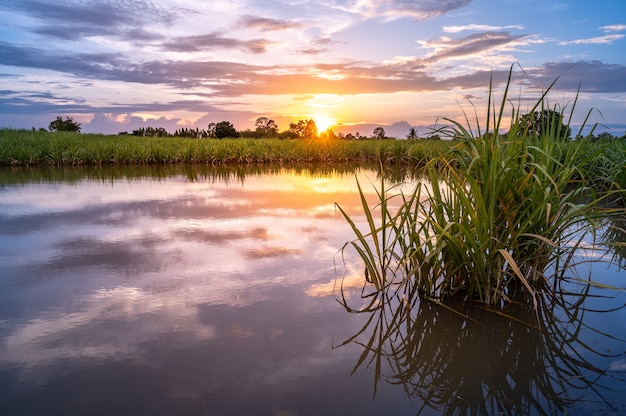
{"points": [[601, 160], [25, 147]]}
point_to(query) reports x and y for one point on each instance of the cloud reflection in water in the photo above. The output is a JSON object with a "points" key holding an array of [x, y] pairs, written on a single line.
{"points": [[209, 278]]}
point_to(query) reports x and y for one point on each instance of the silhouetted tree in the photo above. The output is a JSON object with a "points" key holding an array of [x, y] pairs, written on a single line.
{"points": [[605, 136], [266, 126], [64, 125], [311, 129], [412, 134], [288, 135], [297, 128], [379, 133], [304, 129], [545, 122], [151, 132], [191, 133], [225, 129], [211, 130]]}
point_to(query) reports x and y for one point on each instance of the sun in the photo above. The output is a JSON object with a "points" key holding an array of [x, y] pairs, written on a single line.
{"points": [[323, 123]]}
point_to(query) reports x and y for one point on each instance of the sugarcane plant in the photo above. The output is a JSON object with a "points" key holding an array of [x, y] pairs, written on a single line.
{"points": [[501, 212]]}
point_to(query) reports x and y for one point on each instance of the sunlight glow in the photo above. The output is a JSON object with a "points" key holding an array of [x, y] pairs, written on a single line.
{"points": [[323, 123]]}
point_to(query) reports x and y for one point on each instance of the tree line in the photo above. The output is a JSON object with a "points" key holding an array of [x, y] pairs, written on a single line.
{"points": [[264, 128], [537, 122]]}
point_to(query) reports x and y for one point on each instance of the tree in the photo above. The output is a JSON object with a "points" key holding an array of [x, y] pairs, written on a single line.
{"points": [[412, 134], [191, 133], [211, 130], [225, 129], [297, 129], [379, 133], [303, 129], [266, 126], [605, 136], [64, 125], [545, 122], [310, 130], [151, 132]]}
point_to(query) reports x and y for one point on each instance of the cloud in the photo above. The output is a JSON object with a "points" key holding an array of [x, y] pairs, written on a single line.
{"points": [[268, 251], [419, 10], [317, 46], [30, 104], [133, 35], [73, 20], [589, 76], [267, 24], [231, 79], [619, 365], [599, 40], [479, 43], [613, 28], [214, 41], [479, 28], [115, 66]]}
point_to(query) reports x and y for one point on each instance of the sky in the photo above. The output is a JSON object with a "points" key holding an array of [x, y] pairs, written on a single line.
{"points": [[117, 65]]}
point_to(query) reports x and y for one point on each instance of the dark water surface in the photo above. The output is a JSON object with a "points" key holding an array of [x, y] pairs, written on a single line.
{"points": [[203, 292]]}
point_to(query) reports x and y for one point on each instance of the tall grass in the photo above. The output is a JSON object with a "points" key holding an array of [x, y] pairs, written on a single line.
{"points": [[500, 213], [23, 147]]}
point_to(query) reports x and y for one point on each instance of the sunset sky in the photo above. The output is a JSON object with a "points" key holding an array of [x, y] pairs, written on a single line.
{"points": [[116, 65]]}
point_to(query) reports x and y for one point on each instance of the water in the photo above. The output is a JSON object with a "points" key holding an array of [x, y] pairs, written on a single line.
{"points": [[191, 291]]}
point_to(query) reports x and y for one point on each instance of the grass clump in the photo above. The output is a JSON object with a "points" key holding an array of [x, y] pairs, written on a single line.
{"points": [[500, 213]]}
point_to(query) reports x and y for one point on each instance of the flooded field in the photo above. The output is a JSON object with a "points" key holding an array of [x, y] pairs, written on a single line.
{"points": [[191, 291]]}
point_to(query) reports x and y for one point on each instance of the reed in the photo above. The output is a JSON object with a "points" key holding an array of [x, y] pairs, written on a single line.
{"points": [[500, 213]]}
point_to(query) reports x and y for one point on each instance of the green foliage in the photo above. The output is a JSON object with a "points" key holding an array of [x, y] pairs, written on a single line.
{"points": [[25, 147], [225, 129], [499, 214], [66, 124], [544, 123]]}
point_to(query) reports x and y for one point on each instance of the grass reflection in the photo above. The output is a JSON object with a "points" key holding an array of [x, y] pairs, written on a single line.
{"points": [[466, 358], [615, 238], [20, 175]]}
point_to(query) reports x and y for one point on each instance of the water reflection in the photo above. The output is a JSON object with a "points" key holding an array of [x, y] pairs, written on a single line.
{"points": [[174, 291], [11, 176], [465, 359], [201, 290], [615, 238]]}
